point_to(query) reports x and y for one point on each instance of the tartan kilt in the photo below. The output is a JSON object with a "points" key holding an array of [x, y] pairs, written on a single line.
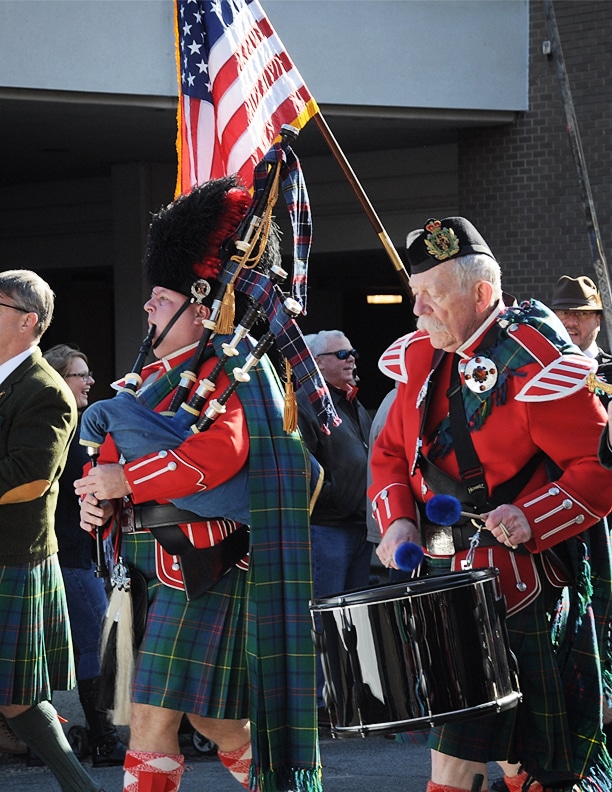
{"points": [[192, 657], [538, 727], [36, 654]]}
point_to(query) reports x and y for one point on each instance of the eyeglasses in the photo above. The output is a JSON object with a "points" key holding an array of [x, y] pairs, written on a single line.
{"points": [[16, 307], [84, 376], [341, 354], [567, 314]]}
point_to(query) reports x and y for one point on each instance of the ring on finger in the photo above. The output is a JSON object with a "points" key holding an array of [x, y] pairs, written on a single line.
{"points": [[507, 534], [504, 530]]}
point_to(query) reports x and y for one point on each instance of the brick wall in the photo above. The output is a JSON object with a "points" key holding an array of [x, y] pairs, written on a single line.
{"points": [[519, 184]]}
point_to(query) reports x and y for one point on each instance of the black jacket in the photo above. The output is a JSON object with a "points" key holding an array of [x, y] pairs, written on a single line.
{"points": [[343, 454], [604, 372], [76, 547]]}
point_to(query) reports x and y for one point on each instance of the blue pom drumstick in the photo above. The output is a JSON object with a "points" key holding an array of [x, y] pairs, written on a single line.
{"points": [[446, 510], [408, 556]]}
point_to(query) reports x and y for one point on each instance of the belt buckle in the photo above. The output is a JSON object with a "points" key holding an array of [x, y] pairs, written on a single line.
{"points": [[439, 540], [128, 524]]}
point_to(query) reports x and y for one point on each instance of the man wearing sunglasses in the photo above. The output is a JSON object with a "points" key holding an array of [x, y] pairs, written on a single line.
{"points": [[340, 549]]}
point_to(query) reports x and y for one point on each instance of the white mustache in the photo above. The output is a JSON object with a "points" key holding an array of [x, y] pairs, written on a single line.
{"points": [[430, 324]]}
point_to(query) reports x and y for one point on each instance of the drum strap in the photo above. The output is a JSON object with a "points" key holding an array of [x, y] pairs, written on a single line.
{"points": [[470, 470], [471, 490]]}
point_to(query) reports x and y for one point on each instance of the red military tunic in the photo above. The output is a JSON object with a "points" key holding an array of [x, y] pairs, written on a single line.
{"points": [[534, 410], [202, 460]]}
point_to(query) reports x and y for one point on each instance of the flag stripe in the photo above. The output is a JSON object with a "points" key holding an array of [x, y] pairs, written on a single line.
{"points": [[266, 122], [238, 86]]}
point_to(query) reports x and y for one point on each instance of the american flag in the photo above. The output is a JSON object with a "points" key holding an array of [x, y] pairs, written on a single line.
{"points": [[237, 88]]}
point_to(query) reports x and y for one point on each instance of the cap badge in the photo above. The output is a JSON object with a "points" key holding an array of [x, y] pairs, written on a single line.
{"points": [[480, 374], [200, 290], [441, 243]]}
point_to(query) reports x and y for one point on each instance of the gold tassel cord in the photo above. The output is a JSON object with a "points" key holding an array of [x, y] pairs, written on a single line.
{"points": [[227, 310], [290, 413]]}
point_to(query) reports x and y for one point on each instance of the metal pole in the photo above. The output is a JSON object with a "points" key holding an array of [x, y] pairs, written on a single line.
{"points": [[364, 201], [599, 259]]}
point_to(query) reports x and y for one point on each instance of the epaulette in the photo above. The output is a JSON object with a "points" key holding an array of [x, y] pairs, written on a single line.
{"points": [[392, 362], [564, 368], [560, 377]]}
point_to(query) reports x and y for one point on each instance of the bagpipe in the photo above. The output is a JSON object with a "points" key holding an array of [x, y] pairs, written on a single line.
{"points": [[128, 418]]}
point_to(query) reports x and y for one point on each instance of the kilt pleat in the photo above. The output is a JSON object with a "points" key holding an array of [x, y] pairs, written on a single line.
{"points": [[192, 656], [36, 654], [538, 728]]}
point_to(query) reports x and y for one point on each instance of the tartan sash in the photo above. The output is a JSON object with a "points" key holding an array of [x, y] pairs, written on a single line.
{"points": [[280, 651]]}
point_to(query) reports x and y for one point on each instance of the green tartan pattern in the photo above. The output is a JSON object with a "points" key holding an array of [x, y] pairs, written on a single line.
{"points": [[556, 732], [280, 651], [191, 658], [36, 655], [585, 656]]}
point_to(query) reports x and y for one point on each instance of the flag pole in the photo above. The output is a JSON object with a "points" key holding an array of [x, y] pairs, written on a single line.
{"points": [[599, 259], [363, 199]]}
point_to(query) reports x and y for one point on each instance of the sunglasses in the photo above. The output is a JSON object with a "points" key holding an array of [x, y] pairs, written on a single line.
{"points": [[341, 354]]}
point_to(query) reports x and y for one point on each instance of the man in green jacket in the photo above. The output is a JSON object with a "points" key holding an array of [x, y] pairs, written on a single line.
{"points": [[37, 421]]}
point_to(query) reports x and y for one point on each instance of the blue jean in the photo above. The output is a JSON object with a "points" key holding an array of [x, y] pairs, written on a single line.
{"points": [[341, 560], [87, 605]]}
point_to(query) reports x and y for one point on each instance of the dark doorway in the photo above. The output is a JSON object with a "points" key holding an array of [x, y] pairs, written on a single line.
{"points": [[339, 285], [84, 316]]}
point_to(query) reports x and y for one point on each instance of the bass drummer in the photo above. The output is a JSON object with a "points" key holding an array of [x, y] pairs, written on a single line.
{"points": [[491, 409]]}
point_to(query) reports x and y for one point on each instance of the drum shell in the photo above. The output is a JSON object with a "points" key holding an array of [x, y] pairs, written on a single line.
{"points": [[409, 655]]}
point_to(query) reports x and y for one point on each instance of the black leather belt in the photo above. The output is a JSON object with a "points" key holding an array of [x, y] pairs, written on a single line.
{"points": [[142, 516], [448, 540], [463, 533]]}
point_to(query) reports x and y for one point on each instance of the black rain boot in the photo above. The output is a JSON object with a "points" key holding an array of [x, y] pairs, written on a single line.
{"points": [[107, 749]]}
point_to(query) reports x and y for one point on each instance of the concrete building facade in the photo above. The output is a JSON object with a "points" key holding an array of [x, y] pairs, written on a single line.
{"points": [[442, 107]]}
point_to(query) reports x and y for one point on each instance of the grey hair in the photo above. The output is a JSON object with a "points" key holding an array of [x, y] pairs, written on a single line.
{"points": [[317, 342], [478, 267], [31, 292]]}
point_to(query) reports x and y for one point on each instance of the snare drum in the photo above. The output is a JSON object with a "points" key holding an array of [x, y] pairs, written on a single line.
{"points": [[425, 652]]}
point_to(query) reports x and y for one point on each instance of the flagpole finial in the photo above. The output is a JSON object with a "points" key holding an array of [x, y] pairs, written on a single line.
{"points": [[289, 132]]}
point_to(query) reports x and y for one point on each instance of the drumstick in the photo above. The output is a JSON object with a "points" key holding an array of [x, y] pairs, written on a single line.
{"points": [[505, 531], [446, 510]]}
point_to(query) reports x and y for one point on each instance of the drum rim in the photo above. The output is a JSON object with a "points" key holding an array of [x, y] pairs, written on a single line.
{"points": [[447, 581], [509, 701]]}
